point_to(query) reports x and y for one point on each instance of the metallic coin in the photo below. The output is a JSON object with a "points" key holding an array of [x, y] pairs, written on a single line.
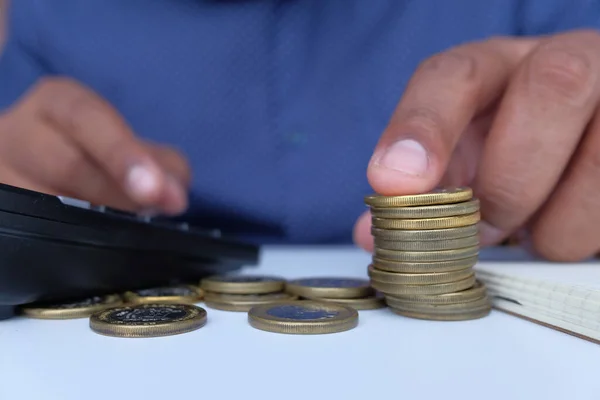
{"points": [[419, 279], [183, 294], [438, 196], [393, 289], [303, 317], [148, 320], [71, 310], [428, 245], [242, 284], [427, 223], [464, 316], [423, 267], [372, 302], [450, 308], [423, 235], [244, 302], [478, 291], [427, 256], [333, 288], [435, 211]]}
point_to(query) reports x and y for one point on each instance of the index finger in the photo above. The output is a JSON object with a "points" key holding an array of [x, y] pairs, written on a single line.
{"points": [[101, 133], [443, 96]]}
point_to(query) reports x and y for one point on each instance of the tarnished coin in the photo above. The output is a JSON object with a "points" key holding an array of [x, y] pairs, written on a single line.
{"points": [[418, 279], [71, 310], [148, 320], [242, 284], [183, 294], [394, 289], [427, 223], [303, 317], [426, 234], [244, 302], [427, 245], [372, 302], [478, 291], [434, 211], [438, 196], [408, 267], [333, 288], [426, 256], [462, 316]]}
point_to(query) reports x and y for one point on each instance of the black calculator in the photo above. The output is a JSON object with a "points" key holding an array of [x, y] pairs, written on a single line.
{"points": [[54, 248]]}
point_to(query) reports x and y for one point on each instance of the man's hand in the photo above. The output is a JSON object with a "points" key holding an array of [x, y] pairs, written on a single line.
{"points": [[63, 139], [516, 119]]}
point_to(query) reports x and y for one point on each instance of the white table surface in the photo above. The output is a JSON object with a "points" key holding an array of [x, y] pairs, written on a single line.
{"points": [[385, 357]]}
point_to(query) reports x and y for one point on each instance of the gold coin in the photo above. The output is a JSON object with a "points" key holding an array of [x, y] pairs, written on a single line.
{"points": [[425, 235], [148, 320], [435, 211], [71, 310], [372, 302], [429, 245], [393, 289], [303, 317], [476, 292], [243, 302], [428, 223], [182, 294], [241, 284], [427, 256], [424, 267], [465, 316], [419, 279], [438, 196], [450, 308], [327, 287]]}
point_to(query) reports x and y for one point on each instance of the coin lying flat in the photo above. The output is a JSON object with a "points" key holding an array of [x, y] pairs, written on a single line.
{"points": [[71, 310], [240, 284], [477, 291], [438, 196], [427, 245], [408, 267], [459, 316], [244, 302], [148, 320], [392, 289], [424, 234], [333, 288], [428, 223], [426, 256], [434, 211], [183, 294], [303, 317], [418, 279], [372, 302]]}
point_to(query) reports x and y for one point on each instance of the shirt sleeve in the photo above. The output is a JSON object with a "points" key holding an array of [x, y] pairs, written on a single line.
{"points": [[543, 17], [20, 66]]}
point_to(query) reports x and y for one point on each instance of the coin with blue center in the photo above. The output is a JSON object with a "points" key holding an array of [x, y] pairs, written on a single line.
{"points": [[330, 287], [180, 294], [242, 284], [303, 317]]}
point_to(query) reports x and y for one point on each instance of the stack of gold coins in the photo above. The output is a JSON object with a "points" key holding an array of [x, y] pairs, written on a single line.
{"points": [[351, 292], [426, 246], [242, 292]]}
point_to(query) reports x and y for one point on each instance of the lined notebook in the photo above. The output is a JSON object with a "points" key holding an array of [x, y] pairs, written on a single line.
{"points": [[563, 296]]}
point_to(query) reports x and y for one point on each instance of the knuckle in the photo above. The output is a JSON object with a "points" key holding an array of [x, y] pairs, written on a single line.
{"points": [[453, 64], [502, 197], [424, 119], [565, 72], [553, 248], [71, 167]]}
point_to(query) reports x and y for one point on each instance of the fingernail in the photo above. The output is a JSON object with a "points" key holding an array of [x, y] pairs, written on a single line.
{"points": [[407, 156], [489, 235], [142, 182]]}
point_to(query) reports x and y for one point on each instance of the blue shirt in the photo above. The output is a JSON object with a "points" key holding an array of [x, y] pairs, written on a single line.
{"points": [[277, 104]]}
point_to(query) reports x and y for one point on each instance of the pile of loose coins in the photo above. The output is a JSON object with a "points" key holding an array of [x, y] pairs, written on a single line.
{"points": [[426, 246]]}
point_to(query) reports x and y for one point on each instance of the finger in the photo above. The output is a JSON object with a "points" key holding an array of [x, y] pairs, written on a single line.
{"points": [[38, 157], [99, 131], [171, 161], [567, 227], [442, 97], [537, 127], [362, 232]]}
